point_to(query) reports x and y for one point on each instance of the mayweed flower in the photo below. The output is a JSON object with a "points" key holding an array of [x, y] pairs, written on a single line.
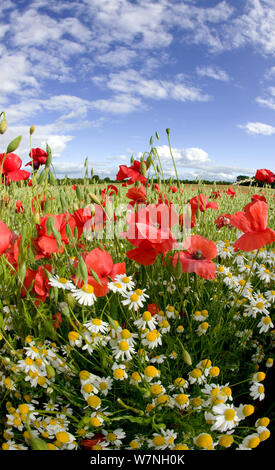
{"points": [[61, 283], [135, 299], [119, 372], [146, 321], [225, 417], [85, 295], [126, 281], [265, 324], [165, 439], [257, 391], [151, 339], [96, 325], [202, 328], [114, 437]]}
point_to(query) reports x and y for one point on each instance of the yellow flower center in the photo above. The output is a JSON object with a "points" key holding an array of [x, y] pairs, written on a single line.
{"points": [[125, 334], [139, 292], [62, 437], [158, 441], [152, 335], [88, 289], [260, 305], [150, 371], [119, 373], [181, 399], [229, 414], [204, 440], [93, 401], [84, 375], [146, 316], [253, 442], [134, 297], [196, 373], [248, 410], [125, 280], [123, 346], [62, 280], [156, 389]]}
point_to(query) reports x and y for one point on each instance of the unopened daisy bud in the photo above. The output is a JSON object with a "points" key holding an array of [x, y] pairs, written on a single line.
{"points": [[14, 144], [32, 129]]}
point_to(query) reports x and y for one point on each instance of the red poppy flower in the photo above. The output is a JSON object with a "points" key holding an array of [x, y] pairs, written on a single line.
{"points": [[265, 176], [149, 240], [19, 207], [45, 243], [201, 203], [39, 282], [57, 320], [231, 192], [11, 168], [89, 443], [223, 220], [198, 257], [74, 187], [173, 189], [6, 237], [132, 172], [102, 264], [30, 183], [39, 200], [39, 157], [255, 198], [111, 189], [253, 222], [156, 187], [137, 195], [153, 308], [215, 194]]}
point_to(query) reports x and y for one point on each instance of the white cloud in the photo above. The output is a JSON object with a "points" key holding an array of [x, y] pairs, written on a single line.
{"points": [[269, 100], [212, 72], [183, 157], [258, 128], [133, 82]]}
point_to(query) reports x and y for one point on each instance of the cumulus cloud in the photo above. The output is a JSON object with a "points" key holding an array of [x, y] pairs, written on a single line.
{"points": [[258, 128]]}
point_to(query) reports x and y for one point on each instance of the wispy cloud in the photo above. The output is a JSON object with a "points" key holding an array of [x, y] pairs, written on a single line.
{"points": [[212, 72]]}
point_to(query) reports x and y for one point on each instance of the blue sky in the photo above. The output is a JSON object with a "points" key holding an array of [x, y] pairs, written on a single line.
{"points": [[98, 77]]}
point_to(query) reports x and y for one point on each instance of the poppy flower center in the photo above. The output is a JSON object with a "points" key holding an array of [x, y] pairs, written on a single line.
{"points": [[197, 255]]}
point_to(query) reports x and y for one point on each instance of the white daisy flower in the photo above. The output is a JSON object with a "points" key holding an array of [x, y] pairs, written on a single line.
{"points": [[96, 325], [114, 437], [152, 339], [146, 321], [61, 283], [134, 299], [126, 281], [85, 295], [123, 351], [265, 324], [225, 417], [257, 391]]}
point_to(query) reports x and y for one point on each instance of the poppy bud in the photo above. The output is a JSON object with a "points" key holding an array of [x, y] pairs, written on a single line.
{"points": [[14, 144], [178, 270], [151, 141], [36, 219], [167, 131], [3, 126], [50, 225], [32, 129], [63, 201], [22, 272], [157, 135], [83, 270]]}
